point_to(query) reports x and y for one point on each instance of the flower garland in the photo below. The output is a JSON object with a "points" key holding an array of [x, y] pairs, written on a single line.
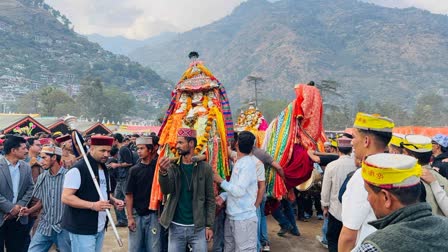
{"points": [[202, 140]]}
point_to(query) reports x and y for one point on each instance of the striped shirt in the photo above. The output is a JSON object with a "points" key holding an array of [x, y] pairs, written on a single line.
{"points": [[49, 191]]}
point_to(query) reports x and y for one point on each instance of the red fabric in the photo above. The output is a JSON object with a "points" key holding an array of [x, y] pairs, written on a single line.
{"points": [[309, 108], [299, 168]]}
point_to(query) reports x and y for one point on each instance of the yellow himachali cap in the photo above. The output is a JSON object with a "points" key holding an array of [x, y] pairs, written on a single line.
{"points": [[396, 139], [374, 122], [334, 143], [388, 171], [417, 143]]}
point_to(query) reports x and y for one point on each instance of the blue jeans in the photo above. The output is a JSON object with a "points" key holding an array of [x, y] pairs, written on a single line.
{"points": [[218, 231], [180, 236], [147, 234], [284, 215], [87, 243], [324, 231], [264, 239], [120, 193], [41, 242]]}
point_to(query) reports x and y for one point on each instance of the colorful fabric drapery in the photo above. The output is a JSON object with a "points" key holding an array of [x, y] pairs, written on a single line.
{"points": [[252, 120], [287, 141]]}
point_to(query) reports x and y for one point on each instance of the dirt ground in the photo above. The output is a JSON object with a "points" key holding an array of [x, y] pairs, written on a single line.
{"points": [[289, 243]]}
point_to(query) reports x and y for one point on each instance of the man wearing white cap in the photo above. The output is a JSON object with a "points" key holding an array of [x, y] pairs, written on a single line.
{"points": [[420, 147], [404, 224], [440, 154], [371, 134], [144, 228], [48, 191], [334, 176]]}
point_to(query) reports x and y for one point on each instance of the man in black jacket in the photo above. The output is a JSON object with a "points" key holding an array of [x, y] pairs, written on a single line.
{"points": [[84, 216]]}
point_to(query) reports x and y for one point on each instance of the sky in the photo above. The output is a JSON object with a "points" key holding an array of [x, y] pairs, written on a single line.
{"points": [[140, 19]]}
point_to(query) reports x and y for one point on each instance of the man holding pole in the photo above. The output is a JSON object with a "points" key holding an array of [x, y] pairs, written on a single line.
{"points": [[85, 216]]}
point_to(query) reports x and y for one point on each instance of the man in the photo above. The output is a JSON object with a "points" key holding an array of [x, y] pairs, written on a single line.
{"points": [[123, 165], [16, 189], [334, 176], [393, 185], [1, 148], [440, 154], [371, 134], [395, 145], [48, 191], [189, 211], [84, 216], [144, 227], [33, 159], [419, 147], [240, 232]]}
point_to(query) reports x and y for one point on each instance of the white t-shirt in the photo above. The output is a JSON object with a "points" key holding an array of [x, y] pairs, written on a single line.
{"points": [[73, 181], [260, 170], [356, 210]]}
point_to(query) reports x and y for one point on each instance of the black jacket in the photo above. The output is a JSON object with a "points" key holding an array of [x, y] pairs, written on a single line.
{"points": [[443, 166], [85, 221]]}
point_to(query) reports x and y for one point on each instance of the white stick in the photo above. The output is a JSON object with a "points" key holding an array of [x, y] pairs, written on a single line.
{"points": [[109, 216]]}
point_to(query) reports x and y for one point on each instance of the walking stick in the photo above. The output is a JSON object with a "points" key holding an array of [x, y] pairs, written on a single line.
{"points": [[69, 120]]}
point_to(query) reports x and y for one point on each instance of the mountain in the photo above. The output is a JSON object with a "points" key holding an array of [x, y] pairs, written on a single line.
{"points": [[38, 47], [123, 46], [376, 53]]}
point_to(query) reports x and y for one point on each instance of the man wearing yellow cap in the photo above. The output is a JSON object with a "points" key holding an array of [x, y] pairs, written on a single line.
{"points": [[395, 146], [48, 190], [404, 224], [435, 185], [371, 134]]}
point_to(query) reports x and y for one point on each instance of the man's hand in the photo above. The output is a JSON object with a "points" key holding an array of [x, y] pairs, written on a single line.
{"points": [[216, 177], [281, 173], [164, 164], [114, 165], [119, 204], [325, 212], [208, 234], [15, 210], [131, 224], [219, 201], [24, 211], [100, 205], [427, 176]]}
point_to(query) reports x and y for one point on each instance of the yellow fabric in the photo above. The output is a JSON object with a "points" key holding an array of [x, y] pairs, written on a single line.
{"points": [[388, 176], [373, 122], [396, 141]]}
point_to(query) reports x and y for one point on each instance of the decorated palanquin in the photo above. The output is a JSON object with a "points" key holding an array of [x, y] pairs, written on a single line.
{"points": [[199, 101], [296, 129], [252, 120]]}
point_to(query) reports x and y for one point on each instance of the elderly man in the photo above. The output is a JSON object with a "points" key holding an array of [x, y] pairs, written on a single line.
{"points": [[392, 182], [84, 216], [189, 212]]}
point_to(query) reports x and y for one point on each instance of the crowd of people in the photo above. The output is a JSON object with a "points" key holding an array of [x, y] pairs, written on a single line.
{"points": [[378, 191]]}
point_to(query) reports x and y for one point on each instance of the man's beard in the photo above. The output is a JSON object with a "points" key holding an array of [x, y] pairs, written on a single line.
{"points": [[183, 152]]}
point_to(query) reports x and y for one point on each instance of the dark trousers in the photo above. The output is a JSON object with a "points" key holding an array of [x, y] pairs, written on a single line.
{"points": [[334, 229], [14, 236]]}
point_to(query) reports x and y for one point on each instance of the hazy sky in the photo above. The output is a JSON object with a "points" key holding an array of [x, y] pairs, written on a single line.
{"points": [[139, 19]]}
